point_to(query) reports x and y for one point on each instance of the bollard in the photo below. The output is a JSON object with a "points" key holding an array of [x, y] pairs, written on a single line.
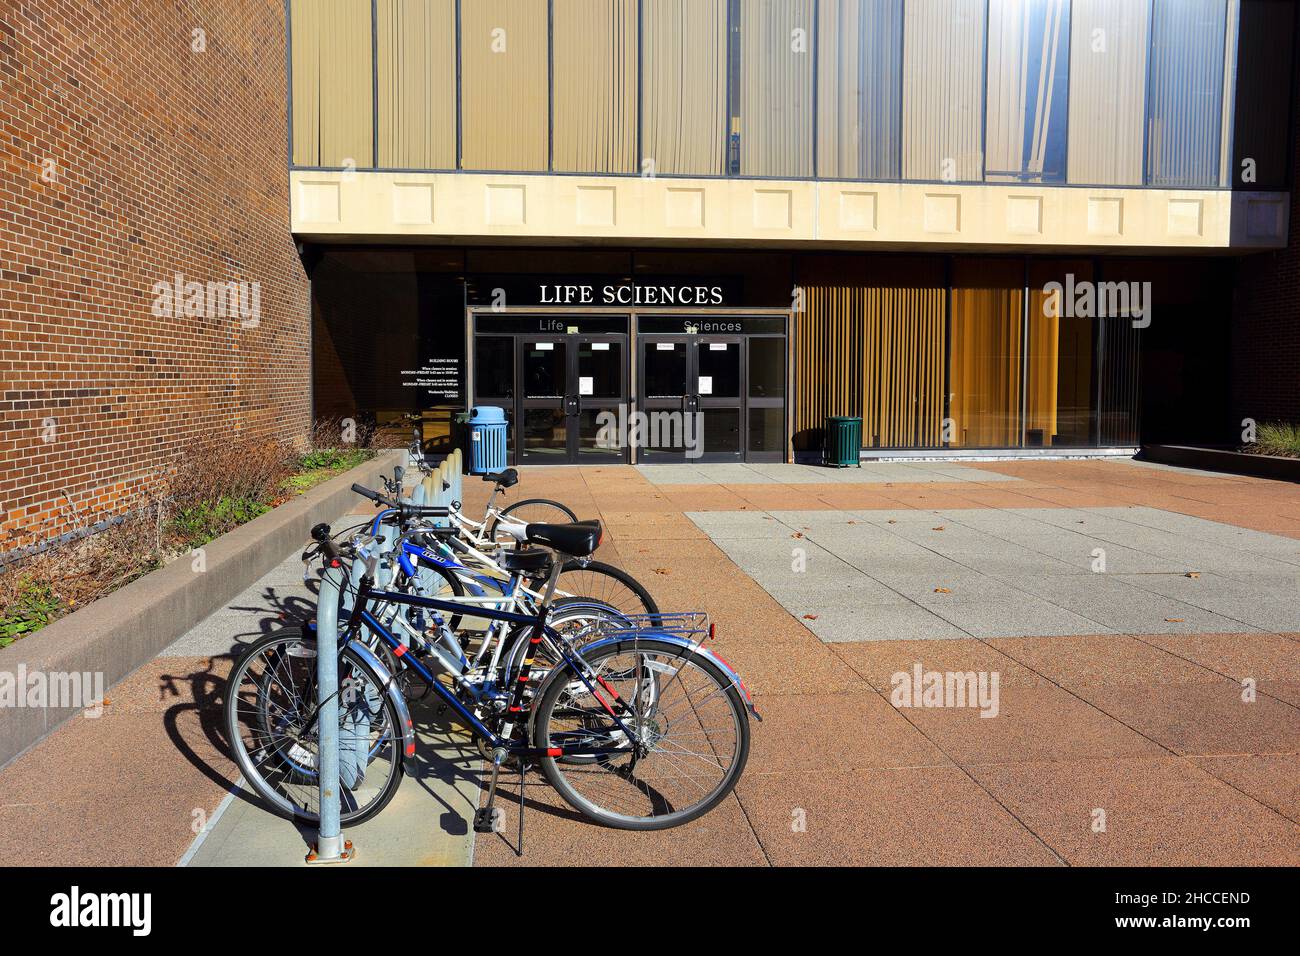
{"points": [[330, 846]]}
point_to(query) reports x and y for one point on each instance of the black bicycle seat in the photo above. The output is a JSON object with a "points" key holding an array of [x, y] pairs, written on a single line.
{"points": [[578, 539], [506, 479]]}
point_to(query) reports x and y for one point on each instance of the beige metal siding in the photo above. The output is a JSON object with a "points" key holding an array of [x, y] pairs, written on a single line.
{"points": [[943, 89], [416, 42], [775, 95], [595, 51], [504, 85], [684, 83], [333, 95], [1108, 69]]}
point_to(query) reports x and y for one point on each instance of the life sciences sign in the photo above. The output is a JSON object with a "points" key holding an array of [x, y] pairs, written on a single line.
{"points": [[618, 294]]}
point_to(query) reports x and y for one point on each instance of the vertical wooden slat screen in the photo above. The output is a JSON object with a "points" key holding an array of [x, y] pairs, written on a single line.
{"points": [[683, 85], [943, 90], [333, 95], [859, 88], [985, 352], [505, 113], [595, 85], [871, 343], [1108, 82], [776, 87], [416, 54], [1058, 375]]}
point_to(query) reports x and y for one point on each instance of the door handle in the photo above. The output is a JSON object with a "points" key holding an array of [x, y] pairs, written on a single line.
{"points": [[570, 404]]}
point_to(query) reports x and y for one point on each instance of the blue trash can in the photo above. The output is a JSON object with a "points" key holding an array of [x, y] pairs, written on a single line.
{"points": [[487, 439]]}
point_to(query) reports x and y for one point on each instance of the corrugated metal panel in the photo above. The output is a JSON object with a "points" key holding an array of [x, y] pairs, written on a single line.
{"points": [[683, 85], [504, 85], [943, 90], [1108, 75], [1028, 71], [775, 95], [594, 57], [333, 97], [416, 47], [859, 88], [1185, 98]]}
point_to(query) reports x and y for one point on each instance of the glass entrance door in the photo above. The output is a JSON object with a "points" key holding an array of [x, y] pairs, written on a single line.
{"points": [[566, 382], [719, 387]]}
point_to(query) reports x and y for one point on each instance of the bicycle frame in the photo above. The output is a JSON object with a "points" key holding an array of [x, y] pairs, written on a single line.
{"points": [[540, 630]]}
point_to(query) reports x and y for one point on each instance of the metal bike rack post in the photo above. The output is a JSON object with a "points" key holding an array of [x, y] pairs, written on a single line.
{"points": [[330, 846]]}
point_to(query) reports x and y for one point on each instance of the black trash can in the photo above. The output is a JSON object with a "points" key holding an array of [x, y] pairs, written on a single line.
{"points": [[843, 445]]}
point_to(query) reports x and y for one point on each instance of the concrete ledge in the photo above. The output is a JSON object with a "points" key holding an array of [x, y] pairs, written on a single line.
{"points": [[1225, 460], [122, 631]]}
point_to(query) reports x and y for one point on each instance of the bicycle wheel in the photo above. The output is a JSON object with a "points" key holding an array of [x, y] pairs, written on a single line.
{"points": [[604, 584], [270, 698], [435, 581], [689, 724], [531, 511]]}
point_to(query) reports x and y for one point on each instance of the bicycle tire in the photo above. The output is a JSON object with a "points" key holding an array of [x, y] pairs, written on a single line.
{"points": [[562, 678], [273, 801], [565, 514], [600, 568]]}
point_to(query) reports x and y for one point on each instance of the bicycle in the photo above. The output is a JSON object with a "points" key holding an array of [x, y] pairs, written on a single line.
{"points": [[644, 694]]}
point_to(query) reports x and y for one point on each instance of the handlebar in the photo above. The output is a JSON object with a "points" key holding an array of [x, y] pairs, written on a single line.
{"points": [[406, 511]]}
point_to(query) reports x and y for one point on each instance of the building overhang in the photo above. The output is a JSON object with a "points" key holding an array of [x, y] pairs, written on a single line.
{"points": [[489, 208]]}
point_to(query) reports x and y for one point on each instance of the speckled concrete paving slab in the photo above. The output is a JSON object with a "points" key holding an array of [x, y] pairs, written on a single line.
{"points": [[1020, 572], [426, 824]]}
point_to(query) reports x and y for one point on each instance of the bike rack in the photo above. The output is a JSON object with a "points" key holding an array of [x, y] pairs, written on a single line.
{"points": [[330, 845]]}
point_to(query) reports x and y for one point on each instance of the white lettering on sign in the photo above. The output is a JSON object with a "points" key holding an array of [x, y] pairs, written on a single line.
{"points": [[564, 294]]}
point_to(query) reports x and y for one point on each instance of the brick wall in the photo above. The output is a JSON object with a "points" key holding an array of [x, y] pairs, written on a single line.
{"points": [[133, 149], [1266, 321]]}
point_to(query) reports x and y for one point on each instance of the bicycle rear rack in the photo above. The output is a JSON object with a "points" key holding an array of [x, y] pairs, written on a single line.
{"points": [[692, 626]]}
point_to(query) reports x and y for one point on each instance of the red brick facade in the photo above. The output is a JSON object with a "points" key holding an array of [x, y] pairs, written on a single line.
{"points": [[139, 141]]}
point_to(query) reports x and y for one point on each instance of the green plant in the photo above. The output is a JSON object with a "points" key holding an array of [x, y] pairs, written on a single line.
{"points": [[34, 605], [199, 523], [1277, 438]]}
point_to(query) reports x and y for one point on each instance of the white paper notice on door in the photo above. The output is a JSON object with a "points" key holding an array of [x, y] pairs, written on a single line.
{"points": [[706, 384], [717, 346], [600, 346], [586, 385], [544, 346], [665, 346]]}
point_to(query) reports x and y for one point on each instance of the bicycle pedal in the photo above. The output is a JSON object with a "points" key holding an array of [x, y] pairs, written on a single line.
{"points": [[483, 820]]}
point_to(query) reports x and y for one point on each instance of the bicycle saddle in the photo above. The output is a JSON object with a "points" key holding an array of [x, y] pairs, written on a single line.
{"points": [[578, 539], [506, 479]]}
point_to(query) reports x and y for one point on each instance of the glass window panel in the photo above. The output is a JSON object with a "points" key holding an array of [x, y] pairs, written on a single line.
{"points": [[1060, 408], [545, 370], [494, 366], [1185, 98], [1108, 85], [600, 367], [721, 428], [985, 353], [719, 369], [1263, 95], [545, 432], [943, 90], [665, 369], [595, 87], [505, 110], [593, 438], [859, 88], [683, 86], [766, 368], [416, 47], [1028, 75], [772, 108], [333, 96], [767, 429]]}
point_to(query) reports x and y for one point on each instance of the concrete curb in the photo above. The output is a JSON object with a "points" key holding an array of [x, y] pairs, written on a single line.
{"points": [[1225, 460], [119, 633]]}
